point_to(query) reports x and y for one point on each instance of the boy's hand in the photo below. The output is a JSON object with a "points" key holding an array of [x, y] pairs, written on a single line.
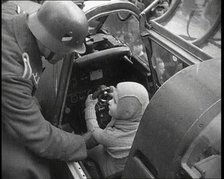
{"points": [[90, 102]]}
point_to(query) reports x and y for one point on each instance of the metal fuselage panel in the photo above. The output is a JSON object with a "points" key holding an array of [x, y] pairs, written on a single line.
{"points": [[175, 116]]}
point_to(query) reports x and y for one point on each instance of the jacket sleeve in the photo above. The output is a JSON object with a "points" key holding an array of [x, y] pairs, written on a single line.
{"points": [[106, 136], [90, 113], [24, 122], [90, 117], [102, 136]]}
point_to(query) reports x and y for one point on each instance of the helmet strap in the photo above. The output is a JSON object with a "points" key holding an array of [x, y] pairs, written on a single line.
{"points": [[50, 56]]}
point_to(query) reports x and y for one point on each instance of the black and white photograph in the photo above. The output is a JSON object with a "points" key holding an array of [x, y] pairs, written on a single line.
{"points": [[111, 89]]}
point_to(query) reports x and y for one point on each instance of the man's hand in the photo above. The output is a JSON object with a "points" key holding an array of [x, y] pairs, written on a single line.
{"points": [[90, 140]]}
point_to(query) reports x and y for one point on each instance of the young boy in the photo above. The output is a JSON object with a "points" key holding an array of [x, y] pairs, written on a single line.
{"points": [[126, 108]]}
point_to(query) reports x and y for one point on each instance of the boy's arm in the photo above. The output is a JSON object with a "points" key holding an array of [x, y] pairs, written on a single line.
{"points": [[91, 122], [90, 113], [104, 137]]}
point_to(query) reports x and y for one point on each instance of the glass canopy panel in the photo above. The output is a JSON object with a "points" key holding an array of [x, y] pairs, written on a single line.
{"points": [[122, 24], [192, 19], [125, 27], [213, 45], [165, 63]]}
